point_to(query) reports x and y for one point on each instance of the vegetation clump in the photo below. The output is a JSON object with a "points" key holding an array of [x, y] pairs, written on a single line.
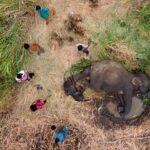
{"points": [[12, 31], [80, 66], [145, 100]]}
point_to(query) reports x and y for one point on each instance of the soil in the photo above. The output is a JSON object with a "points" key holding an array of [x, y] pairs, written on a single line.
{"points": [[49, 70]]}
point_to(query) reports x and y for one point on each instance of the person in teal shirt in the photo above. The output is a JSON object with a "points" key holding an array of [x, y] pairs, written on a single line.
{"points": [[43, 12], [60, 134]]}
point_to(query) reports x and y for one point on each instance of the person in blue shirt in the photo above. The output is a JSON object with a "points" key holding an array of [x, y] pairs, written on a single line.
{"points": [[60, 134], [43, 12]]}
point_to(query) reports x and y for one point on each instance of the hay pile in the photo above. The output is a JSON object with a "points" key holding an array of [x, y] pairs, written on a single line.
{"points": [[72, 24]]}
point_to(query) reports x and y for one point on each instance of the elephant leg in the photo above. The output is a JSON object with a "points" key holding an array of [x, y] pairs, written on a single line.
{"points": [[128, 98], [85, 73], [121, 103], [120, 99]]}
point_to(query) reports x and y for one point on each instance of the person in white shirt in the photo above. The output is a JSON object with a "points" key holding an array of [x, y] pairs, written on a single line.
{"points": [[23, 75], [83, 48]]}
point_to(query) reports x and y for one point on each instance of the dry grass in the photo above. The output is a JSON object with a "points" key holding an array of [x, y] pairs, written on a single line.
{"points": [[123, 54], [20, 134], [58, 37]]}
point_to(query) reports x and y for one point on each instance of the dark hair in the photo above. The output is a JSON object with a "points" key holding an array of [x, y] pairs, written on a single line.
{"points": [[80, 47], [57, 140], [37, 7], [33, 107], [26, 45], [19, 75], [53, 127]]}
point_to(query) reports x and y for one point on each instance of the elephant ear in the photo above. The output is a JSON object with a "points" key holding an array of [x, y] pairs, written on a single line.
{"points": [[136, 82]]}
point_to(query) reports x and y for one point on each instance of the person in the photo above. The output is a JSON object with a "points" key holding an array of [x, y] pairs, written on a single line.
{"points": [[83, 48], [37, 104], [43, 12], [23, 75], [33, 47], [59, 134], [75, 91]]}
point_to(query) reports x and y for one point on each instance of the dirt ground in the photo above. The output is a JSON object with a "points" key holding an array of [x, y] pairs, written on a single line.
{"points": [[49, 73]]}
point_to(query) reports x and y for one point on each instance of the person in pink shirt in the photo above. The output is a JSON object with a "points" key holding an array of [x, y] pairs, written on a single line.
{"points": [[23, 75], [37, 104]]}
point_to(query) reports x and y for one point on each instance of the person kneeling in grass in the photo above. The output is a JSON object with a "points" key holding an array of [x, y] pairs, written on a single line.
{"points": [[59, 134], [33, 47], [43, 12], [23, 75], [37, 104]]}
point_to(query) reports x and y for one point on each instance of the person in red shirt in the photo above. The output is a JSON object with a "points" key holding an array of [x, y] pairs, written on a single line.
{"points": [[33, 47], [37, 104]]}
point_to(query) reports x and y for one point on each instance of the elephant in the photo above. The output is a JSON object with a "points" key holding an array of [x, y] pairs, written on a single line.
{"points": [[110, 76]]}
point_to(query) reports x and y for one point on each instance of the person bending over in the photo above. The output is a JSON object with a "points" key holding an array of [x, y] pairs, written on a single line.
{"points": [[83, 48], [37, 104], [59, 134], [23, 75], [43, 12], [33, 47]]}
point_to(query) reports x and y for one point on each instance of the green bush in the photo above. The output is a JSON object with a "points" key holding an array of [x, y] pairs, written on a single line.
{"points": [[80, 66]]}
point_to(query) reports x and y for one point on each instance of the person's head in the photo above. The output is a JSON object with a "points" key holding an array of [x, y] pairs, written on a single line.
{"points": [[19, 75], [57, 140], [53, 127], [80, 47], [26, 45], [33, 107], [37, 7]]}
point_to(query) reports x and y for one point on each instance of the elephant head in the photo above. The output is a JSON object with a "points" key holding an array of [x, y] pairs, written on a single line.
{"points": [[141, 84]]}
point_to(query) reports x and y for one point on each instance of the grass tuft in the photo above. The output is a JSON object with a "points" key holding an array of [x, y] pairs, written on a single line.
{"points": [[145, 101], [80, 66]]}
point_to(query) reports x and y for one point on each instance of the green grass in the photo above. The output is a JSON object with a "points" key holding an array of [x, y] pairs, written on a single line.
{"points": [[145, 101], [13, 34], [130, 30], [80, 66]]}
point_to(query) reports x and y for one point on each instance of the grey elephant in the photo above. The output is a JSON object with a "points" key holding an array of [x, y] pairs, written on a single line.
{"points": [[111, 77]]}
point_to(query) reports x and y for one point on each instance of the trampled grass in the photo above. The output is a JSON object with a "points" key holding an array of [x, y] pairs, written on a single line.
{"points": [[12, 55], [130, 31]]}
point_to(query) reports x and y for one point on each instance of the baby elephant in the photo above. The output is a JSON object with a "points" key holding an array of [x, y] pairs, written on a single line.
{"points": [[111, 77]]}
